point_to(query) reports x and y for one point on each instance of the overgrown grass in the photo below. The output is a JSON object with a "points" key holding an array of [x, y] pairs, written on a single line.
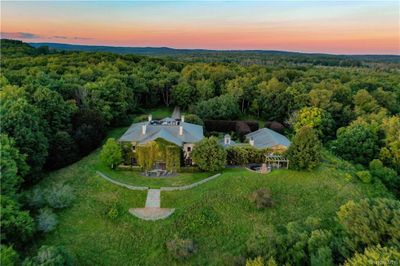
{"points": [[217, 215]]}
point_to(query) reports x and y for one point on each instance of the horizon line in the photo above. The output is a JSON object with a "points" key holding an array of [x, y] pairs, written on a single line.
{"points": [[210, 50]]}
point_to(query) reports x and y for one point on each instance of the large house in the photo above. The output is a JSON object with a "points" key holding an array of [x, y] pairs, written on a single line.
{"points": [[176, 131], [267, 138], [264, 138]]}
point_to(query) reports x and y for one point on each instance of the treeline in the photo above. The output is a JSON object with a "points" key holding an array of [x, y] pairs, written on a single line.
{"points": [[56, 107]]}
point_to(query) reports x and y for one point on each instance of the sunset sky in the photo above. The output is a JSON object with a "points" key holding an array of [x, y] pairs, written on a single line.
{"points": [[341, 27]]}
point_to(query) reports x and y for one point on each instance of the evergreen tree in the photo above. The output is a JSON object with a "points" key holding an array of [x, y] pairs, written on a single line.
{"points": [[305, 150]]}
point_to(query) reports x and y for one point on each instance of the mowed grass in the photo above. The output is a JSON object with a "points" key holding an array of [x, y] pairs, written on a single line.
{"points": [[217, 215], [136, 178]]}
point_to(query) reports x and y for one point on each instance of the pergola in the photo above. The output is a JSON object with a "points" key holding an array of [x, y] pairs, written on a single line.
{"points": [[276, 161]]}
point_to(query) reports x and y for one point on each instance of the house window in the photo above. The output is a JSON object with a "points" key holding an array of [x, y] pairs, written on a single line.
{"points": [[133, 148], [189, 148]]}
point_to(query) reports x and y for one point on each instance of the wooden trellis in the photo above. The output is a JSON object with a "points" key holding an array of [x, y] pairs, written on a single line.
{"points": [[276, 161]]}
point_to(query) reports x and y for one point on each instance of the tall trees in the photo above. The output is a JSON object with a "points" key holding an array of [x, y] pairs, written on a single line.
{"points": [[371, 222], [222, 107], [16, 225], [111, 98], [273, 99], [22, 121], [89, 129], [358, 143], [390, 152], [316, 118], [305, 150], [12, 166]]}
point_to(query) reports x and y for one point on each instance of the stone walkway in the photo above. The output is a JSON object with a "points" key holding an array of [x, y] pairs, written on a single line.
{"points": [[176, 114], [152, 210], [153, 198]]}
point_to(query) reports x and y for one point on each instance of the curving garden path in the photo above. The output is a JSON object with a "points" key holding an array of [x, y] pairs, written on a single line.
{"points": [[152, 210]]}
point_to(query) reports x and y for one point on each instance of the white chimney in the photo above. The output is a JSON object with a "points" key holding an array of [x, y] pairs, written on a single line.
{"points": [[227, 139], [180, 130], [150, 118], [144, 130], [251, 141], [182, 118]]}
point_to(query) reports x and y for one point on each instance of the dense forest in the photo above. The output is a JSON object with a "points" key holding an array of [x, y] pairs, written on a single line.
{"points": [[56, 107]]}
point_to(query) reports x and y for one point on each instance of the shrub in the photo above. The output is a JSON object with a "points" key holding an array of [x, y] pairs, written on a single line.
{"points": [[387, 175], [275, 126], [242, 129], [208, 155], [348, 177], [46, 220], [227, 125], [181, 248], [60, 196], [50, 255], [237, 155], [262, 198], [194, 119], [364, 176], [36, 198], [258, 261], [8, 256], [242, 155], [219, 125], [263, 242]]}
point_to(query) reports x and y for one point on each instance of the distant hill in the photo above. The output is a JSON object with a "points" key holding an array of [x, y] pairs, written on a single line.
{"points": [[166, 51]]}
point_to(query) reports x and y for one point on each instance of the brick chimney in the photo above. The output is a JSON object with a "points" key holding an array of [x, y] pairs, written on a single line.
{"points": [[144, 129]]}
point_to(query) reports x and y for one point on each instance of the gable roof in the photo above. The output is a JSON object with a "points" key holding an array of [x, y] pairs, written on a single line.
{"points": [[191, 133], [267, 138]]}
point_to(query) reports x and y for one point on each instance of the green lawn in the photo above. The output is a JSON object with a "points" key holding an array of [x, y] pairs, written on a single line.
{"points": [[159, 113], [135, 177], [216, 215]]}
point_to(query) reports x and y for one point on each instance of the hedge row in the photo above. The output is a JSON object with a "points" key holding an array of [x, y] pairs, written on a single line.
{"points": [[243, 155], [229, 125]]}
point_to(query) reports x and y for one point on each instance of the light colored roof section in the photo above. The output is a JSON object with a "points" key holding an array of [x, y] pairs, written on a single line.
{"points": [[267, 138], [163, 134], [191, 133], [222, 142]]}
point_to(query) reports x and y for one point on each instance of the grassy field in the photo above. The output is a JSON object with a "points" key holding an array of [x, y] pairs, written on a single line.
{"points": [[217, 215]]}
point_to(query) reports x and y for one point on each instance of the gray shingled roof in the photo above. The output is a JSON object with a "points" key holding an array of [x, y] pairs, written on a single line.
{"points": [[191, 133], [267, 138]]}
